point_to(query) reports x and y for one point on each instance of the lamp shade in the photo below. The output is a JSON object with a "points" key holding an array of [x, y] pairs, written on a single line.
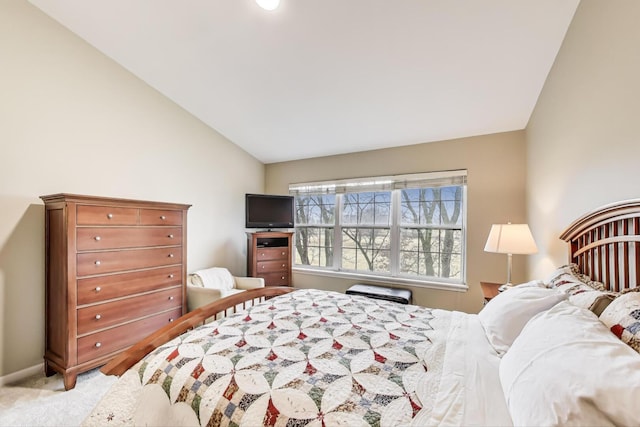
{"points": [[510, 239]]}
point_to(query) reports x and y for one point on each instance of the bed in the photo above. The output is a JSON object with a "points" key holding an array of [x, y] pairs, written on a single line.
{"points": [[562, 350]]}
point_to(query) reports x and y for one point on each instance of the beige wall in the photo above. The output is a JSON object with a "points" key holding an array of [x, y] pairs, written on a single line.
{"points": [[583, 139], [73, 121], [496, 193]]}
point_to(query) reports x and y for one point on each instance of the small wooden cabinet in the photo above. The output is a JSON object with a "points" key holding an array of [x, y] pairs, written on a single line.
{"points": [[269, 256], [115, 272], [490, 290]]}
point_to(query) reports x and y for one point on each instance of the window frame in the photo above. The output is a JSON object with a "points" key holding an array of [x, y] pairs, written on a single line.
{"points": [[393, 184]]}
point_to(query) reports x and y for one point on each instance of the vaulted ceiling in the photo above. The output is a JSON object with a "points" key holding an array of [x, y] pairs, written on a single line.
{"points": [[322, 77]]}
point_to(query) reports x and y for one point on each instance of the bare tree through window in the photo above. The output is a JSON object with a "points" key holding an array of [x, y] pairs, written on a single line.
{"points": [[366, 242], [314, 229], [430, 237]]}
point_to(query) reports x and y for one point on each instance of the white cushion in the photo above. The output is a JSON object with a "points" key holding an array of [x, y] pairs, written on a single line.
{"points": [[506, 314], [566, 368], [570, 273], [214, 278], [622, 317]]}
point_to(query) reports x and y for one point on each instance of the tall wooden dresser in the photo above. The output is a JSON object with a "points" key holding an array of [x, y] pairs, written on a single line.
{"points": [[269, 257], [115, 272]]}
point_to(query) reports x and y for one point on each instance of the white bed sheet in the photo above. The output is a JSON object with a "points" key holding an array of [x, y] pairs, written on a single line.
{"points": [[469, 393], [485, 403]]}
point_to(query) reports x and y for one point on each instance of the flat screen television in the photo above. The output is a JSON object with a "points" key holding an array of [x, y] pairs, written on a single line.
{"points": [[269, 211]]}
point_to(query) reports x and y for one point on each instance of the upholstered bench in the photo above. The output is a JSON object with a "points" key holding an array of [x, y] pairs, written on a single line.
{"points": [[402, 296]]}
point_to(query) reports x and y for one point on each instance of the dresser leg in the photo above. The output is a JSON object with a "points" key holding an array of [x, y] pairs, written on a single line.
{"points": [[48, 371], [69, 379]]}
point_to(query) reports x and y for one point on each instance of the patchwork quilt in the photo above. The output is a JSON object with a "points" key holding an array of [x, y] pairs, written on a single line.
{"points": [[307, 358]]}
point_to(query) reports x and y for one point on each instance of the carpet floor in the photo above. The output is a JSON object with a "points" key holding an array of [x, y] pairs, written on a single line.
{"points": [[42, 401]]}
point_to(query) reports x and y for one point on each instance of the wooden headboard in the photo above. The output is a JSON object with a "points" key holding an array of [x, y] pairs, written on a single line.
{"points": [[605, 244]]}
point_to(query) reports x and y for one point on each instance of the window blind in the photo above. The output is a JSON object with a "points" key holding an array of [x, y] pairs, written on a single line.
{"points": [[381, 183]]}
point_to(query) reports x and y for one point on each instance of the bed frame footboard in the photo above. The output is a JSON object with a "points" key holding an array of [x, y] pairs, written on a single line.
{"points": [[119, 364]]}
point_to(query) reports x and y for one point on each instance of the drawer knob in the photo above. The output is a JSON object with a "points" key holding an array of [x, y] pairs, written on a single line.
{"points": [[282, 253], [98, 317], [171, 276], [282, 277], [170, 236], [283, 265], [98, 238], [98, 288], [98, 344], [98, 263], [263, 266], [109, 215], [171, 298], [162, 217], [170, 319], [170, 255]]}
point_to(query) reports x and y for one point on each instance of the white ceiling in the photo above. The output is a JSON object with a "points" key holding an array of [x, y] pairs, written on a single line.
{"points": [[322, 77]]}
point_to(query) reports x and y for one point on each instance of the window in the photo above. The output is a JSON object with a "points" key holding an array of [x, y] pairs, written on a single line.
{"points": [[409, 227]]}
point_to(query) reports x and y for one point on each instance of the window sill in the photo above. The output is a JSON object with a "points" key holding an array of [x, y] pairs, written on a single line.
{"points": [[453, 286]]}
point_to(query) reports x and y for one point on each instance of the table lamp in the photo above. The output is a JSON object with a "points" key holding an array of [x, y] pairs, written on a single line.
{"points": [[510, 239]]}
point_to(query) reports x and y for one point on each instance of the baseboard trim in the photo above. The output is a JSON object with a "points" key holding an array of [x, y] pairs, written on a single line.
{"points": [[21, 375]]}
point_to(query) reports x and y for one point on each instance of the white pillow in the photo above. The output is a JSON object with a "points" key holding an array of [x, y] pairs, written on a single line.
{"points": [[533, 283], [566, 368], [506, 314]]}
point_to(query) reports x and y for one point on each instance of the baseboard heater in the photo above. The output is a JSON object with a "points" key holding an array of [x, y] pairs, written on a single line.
{"points": [[401, 296]]}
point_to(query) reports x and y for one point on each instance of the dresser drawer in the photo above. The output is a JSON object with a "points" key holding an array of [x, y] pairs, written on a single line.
{"points": [[272, 266], [118, 338], [272, 254], [275, 279], [91, 263], [96, 289], [160, 217], [106, 215], [113, 313], [96, 238]]}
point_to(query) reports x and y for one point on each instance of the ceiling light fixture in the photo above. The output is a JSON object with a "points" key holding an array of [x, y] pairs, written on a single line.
{"points": [[268, 4]]}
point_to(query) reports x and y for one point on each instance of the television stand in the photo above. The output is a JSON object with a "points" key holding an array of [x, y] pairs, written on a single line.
{"points": [[269, 256]]}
